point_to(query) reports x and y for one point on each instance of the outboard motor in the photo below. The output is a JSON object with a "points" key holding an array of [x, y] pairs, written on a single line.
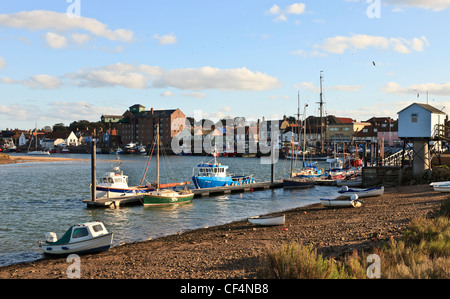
{"points": [[50, 237]]}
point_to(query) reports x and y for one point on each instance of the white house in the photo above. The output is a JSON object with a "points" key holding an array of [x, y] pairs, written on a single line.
{"points": [[419, 121], [60, 139]]}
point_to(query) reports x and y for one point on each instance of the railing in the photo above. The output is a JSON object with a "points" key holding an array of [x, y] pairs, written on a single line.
{"points": [[396, 159]]}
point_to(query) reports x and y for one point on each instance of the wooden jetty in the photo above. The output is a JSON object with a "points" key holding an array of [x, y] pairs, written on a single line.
{"points": [[136, 199]]}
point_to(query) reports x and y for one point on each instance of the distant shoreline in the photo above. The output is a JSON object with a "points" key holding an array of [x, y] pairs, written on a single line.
{"points": [[24, 159]]}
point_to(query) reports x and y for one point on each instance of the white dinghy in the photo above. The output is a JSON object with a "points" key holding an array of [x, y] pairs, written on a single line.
{"points": [[441, 186], [267, 220], [369, 192], [81, 238], [342, 202]]}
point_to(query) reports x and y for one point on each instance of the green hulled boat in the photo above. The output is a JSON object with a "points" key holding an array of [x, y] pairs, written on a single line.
{"points": [[161, 197], [167, 197]]}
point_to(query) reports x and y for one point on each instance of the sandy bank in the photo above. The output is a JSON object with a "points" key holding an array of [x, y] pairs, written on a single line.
{"points": [[237, 249], [23, 159]]}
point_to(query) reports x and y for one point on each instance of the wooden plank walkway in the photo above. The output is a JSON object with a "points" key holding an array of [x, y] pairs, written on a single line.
{"points": [[137, 199]]}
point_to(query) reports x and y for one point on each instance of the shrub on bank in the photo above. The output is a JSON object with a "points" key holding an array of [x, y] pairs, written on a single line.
{"points": [[422, 253]]}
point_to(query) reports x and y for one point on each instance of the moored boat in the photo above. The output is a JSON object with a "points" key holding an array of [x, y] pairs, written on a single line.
{"points": [[81, 238], [267, 220], [160, 196], [211, 175], [369, 192], [298, 182]]}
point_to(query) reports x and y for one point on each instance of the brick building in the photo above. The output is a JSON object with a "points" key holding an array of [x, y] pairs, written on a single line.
{"points": [[139, 125]]}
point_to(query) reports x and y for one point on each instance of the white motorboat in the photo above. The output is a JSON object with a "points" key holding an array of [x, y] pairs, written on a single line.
{"points": [[342, 202], [441, 186], [267, 220], [369, 192], [81, 238]]}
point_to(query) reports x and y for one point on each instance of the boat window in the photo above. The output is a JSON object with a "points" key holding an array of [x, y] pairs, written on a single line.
{"points": [[80, 232], [110, 180], [97, 228], [105, 180]]}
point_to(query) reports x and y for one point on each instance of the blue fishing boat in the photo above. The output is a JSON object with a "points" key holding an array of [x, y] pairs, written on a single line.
{"points": [[211, 175]]}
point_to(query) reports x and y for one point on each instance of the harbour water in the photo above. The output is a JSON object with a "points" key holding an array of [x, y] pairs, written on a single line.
{"points": [[40, 197]]}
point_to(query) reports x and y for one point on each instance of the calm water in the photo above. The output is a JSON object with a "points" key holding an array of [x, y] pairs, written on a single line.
{"points": [[40, 197]]}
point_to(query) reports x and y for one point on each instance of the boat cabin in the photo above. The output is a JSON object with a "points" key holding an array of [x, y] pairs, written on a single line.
{"points": [[78, 232], [212, 170]]}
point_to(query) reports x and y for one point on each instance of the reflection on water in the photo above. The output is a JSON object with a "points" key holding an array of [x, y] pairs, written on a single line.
{"points": [[42, 197]]}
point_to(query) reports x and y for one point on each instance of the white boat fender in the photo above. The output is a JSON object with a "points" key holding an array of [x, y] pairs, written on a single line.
{"points": [[345, 188]]}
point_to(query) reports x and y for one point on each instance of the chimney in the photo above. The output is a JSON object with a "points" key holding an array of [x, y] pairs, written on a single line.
{"points": [[152, 110]]}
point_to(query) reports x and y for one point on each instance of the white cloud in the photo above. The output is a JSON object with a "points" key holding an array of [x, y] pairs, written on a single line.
{"points": [[281, 15], [197, 95], [214, 78], [36, 82], [168, 94], [55, 41], [418, 89], [341, 44], [436, 5], [80, 38], [2, 63], [168, 39], [60, 22]]}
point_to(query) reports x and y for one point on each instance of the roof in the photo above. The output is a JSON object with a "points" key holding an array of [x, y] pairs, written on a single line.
{"points": [[425, 106]]}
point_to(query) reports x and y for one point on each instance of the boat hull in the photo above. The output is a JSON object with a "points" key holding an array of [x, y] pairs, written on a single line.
{"points": [[441, 186], [267, 220], [293, 183], [363, 192], [97, 244], [162, 200], [340, 203]]}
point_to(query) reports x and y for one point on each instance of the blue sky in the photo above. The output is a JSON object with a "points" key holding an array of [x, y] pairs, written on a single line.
{"points": [[250, 58]]}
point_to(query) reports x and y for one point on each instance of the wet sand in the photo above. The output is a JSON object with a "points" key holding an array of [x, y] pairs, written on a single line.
{"points": [[25, 159], [238, 249]]}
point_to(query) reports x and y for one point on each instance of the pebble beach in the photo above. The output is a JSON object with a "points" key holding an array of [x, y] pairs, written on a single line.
{"points": [[236, 250]]}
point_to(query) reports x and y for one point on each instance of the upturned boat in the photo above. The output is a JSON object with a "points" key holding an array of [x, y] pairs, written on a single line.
{"points": [[267, 220], [369, 192], [342, 202], [81, 238]]}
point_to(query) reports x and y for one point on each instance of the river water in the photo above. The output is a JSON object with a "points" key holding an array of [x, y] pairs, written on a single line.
{"points": [[39, 197]]}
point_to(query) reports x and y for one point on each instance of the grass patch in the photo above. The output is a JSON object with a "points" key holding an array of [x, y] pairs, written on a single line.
{"points": [[422, 253]]}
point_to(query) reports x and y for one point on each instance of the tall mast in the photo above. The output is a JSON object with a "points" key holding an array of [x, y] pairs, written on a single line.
{"points": [[157, 156], [321, 116], [298, 121]]}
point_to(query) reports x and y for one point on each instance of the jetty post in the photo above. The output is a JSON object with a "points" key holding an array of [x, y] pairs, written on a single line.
{"points": [[93, 171]]}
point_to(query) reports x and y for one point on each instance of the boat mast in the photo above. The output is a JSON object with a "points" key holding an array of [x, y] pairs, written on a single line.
{"points": [[322, 141], [304, 134], [298, 121], [157, 156]]}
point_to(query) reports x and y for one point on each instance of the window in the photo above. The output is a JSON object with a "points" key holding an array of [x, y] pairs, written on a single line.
{"points": [[414, 117], [97, 228], [80, 232]]}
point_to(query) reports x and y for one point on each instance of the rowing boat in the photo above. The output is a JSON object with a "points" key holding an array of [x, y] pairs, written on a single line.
{"points": [[267, 220]]}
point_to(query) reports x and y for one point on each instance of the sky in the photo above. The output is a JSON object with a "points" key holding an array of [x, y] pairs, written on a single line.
{"points": [[68, 60]]}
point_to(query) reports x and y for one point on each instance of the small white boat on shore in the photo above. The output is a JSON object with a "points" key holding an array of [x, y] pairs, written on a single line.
{"points": [[369, 192], [81, 238], [267, 220], [441, 186], [342, 202]]}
